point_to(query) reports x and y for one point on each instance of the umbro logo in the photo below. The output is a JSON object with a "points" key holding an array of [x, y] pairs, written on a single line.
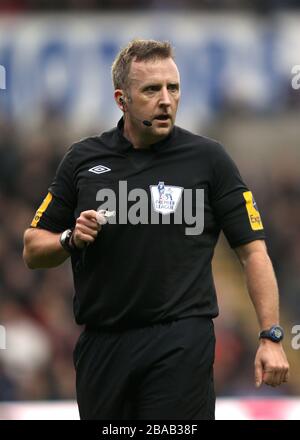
{"points": [[2, 77], [99, 169]]}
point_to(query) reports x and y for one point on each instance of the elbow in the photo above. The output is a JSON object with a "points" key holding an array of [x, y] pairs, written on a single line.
{"points": [[28, 259], [28, 255], [37, 252], [253, 251]]}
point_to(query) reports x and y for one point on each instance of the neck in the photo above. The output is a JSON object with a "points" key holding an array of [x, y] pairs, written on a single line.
{"points": [[137, 140], [141, 137]]}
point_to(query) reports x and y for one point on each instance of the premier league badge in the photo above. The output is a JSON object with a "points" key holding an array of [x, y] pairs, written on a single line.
{"points": [[164, 198]]}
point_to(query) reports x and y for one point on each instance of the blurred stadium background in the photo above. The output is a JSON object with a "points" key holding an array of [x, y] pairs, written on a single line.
{"points": [[236, 60]]}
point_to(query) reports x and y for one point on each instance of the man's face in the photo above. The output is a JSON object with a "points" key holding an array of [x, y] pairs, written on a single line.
{"points": [[154, 95]]}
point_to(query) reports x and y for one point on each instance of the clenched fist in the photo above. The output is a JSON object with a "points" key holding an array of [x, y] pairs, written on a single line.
{"points": [[86, 229]]}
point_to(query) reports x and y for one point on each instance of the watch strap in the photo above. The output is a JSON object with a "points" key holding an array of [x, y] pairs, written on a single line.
{"points": [[67, 242]]}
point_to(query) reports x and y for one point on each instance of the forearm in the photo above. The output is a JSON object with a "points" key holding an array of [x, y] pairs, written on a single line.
{"points": [[42, 249], [262, 288]]}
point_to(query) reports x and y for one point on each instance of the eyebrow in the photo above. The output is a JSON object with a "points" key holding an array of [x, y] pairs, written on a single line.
{"points": [[158, 84]]}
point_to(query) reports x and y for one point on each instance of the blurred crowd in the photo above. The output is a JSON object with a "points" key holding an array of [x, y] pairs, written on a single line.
{"points": [[67, 5], [36, 306]]}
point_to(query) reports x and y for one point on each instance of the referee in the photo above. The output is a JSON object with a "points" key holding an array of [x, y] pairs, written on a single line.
{"points": [[143, 281]]}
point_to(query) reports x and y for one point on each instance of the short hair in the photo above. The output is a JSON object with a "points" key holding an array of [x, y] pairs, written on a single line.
{"points": [[137, 50]]}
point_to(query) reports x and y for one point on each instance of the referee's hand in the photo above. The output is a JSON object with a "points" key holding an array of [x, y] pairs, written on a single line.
{"points": [[86, 229]]}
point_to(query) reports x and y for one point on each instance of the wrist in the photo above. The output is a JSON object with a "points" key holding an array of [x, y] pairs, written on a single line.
{"points": [[67, 241], [72, 242], [265, 341], [273, 334]]}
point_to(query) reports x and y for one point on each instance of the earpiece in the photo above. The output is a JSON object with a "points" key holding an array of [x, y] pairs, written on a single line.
{"points": [[146, 122]]}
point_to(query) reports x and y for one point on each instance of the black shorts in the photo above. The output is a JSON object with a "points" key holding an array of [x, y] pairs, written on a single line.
{"points": [[160, 372]]}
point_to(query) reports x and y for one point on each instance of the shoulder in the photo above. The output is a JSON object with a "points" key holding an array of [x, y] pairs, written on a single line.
{"points": [[84, 143], [205, 144], [90, 145], [102, 140]]}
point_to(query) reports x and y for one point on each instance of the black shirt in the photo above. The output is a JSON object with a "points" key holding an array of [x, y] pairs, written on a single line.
{"points": [[140, 273]]}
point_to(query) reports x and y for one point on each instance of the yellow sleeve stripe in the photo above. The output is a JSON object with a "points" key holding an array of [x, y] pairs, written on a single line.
{"points": [[253, 213], [41, 210]]}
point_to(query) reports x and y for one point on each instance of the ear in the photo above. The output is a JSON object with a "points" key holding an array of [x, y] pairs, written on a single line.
{"points": [[118, 95]]}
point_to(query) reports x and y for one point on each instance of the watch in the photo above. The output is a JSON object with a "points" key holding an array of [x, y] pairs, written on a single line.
{"points": [[67, 242], [275, 333]]}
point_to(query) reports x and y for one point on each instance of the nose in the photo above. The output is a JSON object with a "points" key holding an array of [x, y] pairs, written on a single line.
{"points": [[165, 100]]}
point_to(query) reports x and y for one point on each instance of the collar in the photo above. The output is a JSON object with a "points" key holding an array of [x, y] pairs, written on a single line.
{"points": [[123, 144]]}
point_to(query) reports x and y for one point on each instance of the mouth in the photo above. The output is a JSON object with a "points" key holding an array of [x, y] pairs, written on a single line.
{"points": [[162, 117]]}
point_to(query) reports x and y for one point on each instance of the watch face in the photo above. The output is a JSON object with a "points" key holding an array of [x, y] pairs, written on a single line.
{"points": [[64, 235], [64, 239], [277, 333]]}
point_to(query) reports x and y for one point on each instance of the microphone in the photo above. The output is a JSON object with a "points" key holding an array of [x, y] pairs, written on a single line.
{"points": [[146, 122]]}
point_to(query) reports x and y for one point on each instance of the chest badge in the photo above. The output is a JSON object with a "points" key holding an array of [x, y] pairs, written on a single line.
{"points": [[165, 198], [99, 169]]}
